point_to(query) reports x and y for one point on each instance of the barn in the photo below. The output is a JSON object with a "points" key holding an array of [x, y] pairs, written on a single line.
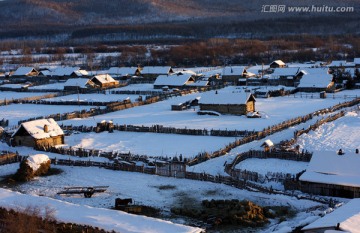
{"points": [[333, 174], [235, 103], [43, 133]]}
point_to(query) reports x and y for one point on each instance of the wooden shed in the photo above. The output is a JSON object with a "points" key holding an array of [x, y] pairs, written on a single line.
{"points": [[235, 103], [104, 81], [43, 133], [173, 169]]}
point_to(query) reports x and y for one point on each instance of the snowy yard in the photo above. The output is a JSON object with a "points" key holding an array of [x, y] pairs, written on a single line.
{"points": [[150, 144], [274, 111]]}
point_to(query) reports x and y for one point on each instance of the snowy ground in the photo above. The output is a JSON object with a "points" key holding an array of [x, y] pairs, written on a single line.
{"points": [[150, 144], [147, 189], [342, 133], [274, 111], [51, 86]]}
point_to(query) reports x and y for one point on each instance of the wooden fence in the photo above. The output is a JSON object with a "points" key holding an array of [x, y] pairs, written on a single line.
{"points": [[161, 129], [33, 99]]}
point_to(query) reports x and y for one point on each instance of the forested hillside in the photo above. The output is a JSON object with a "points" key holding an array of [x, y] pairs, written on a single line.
{"points": [[132, 20]]}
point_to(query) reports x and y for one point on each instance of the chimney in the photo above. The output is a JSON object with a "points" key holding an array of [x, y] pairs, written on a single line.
{"points": [[46, 128]]}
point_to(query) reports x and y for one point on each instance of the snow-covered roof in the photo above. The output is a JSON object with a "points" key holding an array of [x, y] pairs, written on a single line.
{"points": [[319, 70], [316, 80], [36, 128], [279, 62], [348, 216], [34, 161], [80, 82], [199, 83], [104, 78], [45, 72], [221, 97], [80, 73], [330, 168], [288, 71], [23, 71], [173, 80], [233, 70], [123, 71], [156, 70], [357, 60], [268, 143], [341, 63], [64, 71]]}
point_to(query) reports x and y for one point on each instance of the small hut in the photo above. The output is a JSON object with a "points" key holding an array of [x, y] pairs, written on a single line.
{"points": [[43, 133], [268, 145]]}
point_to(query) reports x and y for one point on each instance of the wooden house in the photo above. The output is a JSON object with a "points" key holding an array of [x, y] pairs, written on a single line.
{"points": [[154, 71], [341, 64], [78, 84], [178, 80], [316, 83], [346, 218], [43, 133], [232, 74], [224, 102], [123, 72], [333, 174], [288, 76], [277, 64], [104, 81], [69, 72], [25, 72]]}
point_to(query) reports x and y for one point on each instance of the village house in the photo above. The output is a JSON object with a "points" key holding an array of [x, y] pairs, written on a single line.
{"points": [[78, 84], [333, 174], [69, 72], [277, 64], [154, 71], [232, 74], [43, 133], [25, 72], [104, 81], [340, 64], [235, 103], [346, 218], [178, 80], [122, 73], [288, 76], [316, 80]]}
